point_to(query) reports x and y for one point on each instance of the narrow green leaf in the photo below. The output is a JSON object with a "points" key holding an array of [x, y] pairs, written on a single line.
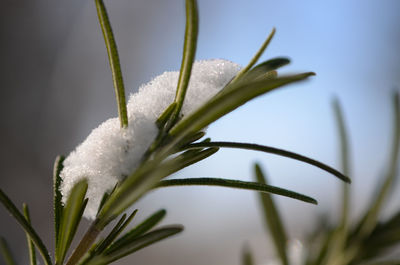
{"points": [[261, 71], [345, 164], [247, 257], [111, 236], [6, 253], [371, 217], [237, 184], [194, 137], [105, 197], [191, 157], [137, 244], [57, 196], [31, 246], [70, 218], [118, 228], [114, 61], [13, 210], [139, 230], [273, 219], [255, 58], [217, 107], [166, 115], [272, 150], [189, 52]]}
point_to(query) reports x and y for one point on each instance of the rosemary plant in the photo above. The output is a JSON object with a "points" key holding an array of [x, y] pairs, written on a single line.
{"points": [[178, 143], [369, 240]]}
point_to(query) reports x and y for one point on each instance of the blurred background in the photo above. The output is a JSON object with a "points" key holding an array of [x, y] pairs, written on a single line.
{"points": [[56, 87]]}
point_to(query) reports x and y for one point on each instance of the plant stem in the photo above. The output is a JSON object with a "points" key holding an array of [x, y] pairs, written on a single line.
{"points": [[85, 243]]}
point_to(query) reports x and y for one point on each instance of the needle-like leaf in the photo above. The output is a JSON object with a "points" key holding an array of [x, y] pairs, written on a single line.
{"points": [[114, 61], [6, 253], [261, 71], [70, 218], [31, 246], [237, 184], [273, 219], [189, 52], [345, 164], [165, 116], [13, 210], [255, 58], [272, 150], [57, 196], [139, 230], [137, 244], [118, 228]]}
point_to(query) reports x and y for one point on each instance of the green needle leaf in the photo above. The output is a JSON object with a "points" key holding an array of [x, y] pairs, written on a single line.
{"points": [[57, 196], [119, 227], [221, 105], [114, 61], [237, 184], [6, 253], [139, 230], [257, 56], [272, 217], [71, 217], [261, 71], [12, 209], [31, 246], [189, 52], [165, 116], [272, 150], [345, 165], [137, 244]]}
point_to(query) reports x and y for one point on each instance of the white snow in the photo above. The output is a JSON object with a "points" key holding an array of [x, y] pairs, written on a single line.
{"points": [[110, 153]]}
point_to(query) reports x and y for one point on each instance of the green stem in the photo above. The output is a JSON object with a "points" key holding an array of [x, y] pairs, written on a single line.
{"points": [[114, 61]]}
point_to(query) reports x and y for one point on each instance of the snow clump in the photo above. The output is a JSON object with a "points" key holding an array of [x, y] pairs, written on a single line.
{"points": [[110, 153]]}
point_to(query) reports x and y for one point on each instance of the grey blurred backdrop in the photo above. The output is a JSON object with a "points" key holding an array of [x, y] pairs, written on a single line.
{"points": [[56, 87]]}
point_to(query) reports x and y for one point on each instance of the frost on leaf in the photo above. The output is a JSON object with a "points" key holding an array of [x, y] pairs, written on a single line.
{"points": [[110, 153]]}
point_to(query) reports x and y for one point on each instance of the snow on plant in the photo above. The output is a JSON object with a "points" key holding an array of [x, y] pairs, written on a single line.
{"points": [[160, 132], [109, 154]]}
